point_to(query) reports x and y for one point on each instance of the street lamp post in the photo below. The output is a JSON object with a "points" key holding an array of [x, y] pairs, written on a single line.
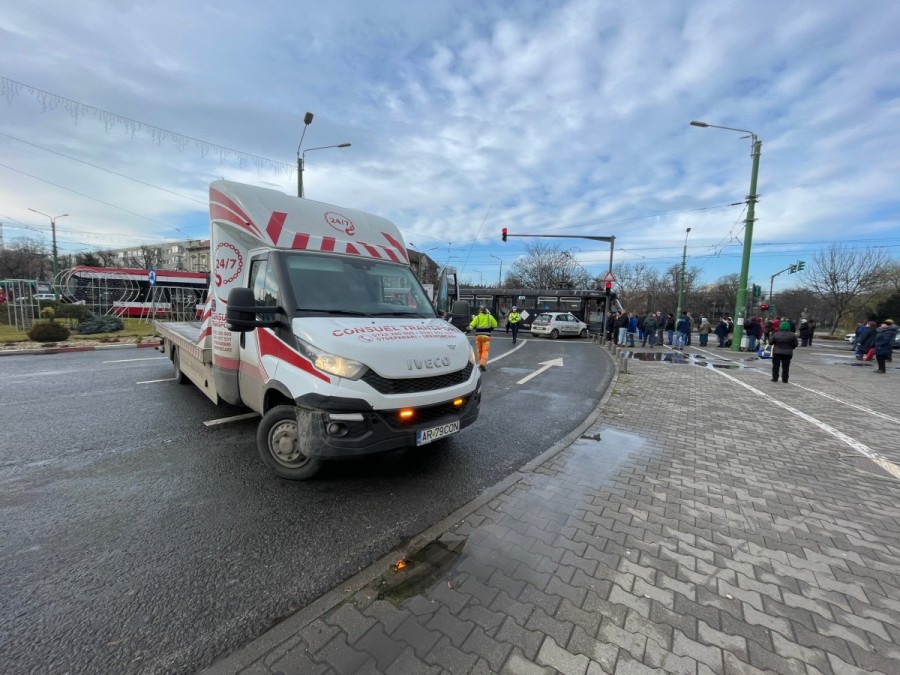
{"points": [[53, 235], [303, 159], [307, 120], [740, 308], [500, 278], [681, 279]]}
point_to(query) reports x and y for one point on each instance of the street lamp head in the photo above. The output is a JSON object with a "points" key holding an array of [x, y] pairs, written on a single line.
{"points": [[699, 124], [344, 145], [689, 229], [308, 118]]}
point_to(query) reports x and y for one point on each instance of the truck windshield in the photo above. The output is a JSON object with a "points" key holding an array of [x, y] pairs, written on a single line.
{"points": [[359, 286]]}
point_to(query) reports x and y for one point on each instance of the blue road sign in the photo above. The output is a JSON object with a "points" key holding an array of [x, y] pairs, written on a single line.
{"points": [[151, 276]]}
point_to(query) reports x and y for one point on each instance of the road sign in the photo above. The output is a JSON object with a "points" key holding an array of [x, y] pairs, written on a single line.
{"points": [[609, 277], [151, 276]]}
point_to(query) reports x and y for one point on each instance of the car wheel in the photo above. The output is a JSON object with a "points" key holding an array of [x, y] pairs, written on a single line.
{"points": [[281, 447], [554, 334], [180, 377], [583, 333]]}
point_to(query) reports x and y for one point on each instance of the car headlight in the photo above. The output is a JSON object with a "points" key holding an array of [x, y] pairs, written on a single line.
{"points": [[471, 355], [330, 363]]}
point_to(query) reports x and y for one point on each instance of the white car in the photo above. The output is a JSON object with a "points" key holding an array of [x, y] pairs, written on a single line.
{"points": [[558, 324], [850, 337]]}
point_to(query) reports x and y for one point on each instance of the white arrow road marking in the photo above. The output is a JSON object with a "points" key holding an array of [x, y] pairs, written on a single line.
{"points": [[544, 366]]}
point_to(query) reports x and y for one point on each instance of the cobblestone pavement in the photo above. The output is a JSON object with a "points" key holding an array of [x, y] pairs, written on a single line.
{"points": [[705, 520]]}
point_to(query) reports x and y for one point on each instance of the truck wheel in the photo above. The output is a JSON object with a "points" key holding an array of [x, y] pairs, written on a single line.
{"points": [[554, 334], [279, 445], [180, 377]]}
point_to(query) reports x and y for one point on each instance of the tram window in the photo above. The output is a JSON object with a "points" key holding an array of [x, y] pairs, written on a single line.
{"points": [[570, 304], [546, 303]]}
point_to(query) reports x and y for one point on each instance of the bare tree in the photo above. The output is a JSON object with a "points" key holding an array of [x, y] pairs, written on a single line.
{"points": [[26, 259], [149, 256], [842, 276], [545, 266]]}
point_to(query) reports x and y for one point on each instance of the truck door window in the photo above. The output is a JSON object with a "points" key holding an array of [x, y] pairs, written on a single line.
{"points": [[263, 283]]}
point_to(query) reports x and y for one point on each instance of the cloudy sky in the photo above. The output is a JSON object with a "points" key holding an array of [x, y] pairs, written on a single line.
{"points": [[548, 118]]}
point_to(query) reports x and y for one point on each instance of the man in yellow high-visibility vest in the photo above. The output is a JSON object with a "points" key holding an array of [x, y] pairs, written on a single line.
{"points": [[513, 320], [483, 323]]}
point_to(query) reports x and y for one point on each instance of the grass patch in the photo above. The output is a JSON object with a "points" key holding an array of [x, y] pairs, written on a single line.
{"points": [[134, 328]]}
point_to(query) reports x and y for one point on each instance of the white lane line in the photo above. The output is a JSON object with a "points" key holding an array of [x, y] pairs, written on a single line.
{"points": [[511, 351], [151, 358], [168, 379], [851, 405], [852, 442], [227, 420]]}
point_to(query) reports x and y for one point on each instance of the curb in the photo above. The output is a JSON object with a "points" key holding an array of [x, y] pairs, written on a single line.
{"points": [[65, 350], [243, 657]]}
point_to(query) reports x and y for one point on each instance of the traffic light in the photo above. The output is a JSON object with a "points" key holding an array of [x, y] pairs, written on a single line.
{"points": [[608, 288], [793, 269], [503, 234], [757, 290], [763, 307], [801, 265]]}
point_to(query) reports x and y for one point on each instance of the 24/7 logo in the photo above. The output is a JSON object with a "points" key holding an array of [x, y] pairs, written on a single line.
{"points": [[229, 263], [340, 223]]}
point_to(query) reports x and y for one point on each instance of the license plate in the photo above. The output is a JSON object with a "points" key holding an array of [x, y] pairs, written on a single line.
{"points": [[428, 435]]}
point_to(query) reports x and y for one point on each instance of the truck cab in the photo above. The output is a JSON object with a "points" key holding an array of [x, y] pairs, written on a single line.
{"points": [[316, 321]]}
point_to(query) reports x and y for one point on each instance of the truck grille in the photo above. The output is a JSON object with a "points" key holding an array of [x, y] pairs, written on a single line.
{"points": [[416, 384]]}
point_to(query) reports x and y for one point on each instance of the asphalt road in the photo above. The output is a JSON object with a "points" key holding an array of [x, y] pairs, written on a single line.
{"points": [[135, 539]]}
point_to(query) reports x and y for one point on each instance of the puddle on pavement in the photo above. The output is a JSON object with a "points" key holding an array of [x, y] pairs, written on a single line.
{"points": [[546, 500], [691, 359]]}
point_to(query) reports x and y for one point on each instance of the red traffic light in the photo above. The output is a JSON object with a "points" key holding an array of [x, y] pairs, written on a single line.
{"points": [[608, 285], [503, 231], [764, 307]]}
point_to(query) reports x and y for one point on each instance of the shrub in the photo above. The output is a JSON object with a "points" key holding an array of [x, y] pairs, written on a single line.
{"points": [[48, 331], [73, 312], [100, 324]]}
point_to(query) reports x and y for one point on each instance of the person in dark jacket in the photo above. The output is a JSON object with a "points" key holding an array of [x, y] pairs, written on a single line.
{"points": [[884, 343], [805, 332], [682, 329], [649, 330], [866, 339], [784, 342], [721, 331], [754, 332], [670, 327]]}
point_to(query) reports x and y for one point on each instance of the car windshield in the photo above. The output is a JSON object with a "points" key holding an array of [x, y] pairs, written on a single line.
{"points": [[355, 286]]}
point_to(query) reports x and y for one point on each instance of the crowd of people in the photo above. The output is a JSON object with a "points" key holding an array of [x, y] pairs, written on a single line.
{"points": [[779, 336]]}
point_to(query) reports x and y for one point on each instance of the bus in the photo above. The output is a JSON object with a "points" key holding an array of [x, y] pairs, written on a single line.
{"points": [[125, 292]]}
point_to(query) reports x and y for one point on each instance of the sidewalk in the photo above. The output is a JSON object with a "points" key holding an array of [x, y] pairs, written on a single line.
{"points": [[703, 520]]}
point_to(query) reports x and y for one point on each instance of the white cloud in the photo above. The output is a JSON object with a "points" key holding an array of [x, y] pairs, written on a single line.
{"points": [[570, 118]]}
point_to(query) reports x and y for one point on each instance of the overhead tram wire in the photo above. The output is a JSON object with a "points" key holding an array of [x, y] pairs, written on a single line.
{"points": [[99, 201], [9, 89], [100, 168]]}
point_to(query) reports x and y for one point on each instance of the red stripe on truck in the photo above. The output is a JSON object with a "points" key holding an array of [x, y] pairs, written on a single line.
{"points": [[276, 224], [270, 345]]}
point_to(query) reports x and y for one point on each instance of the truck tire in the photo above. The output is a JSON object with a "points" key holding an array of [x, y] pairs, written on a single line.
{"points": [[280, 448], [180, 377]]}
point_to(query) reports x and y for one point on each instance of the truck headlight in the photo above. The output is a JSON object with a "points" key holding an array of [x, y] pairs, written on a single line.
{"points": [[331, 364]]}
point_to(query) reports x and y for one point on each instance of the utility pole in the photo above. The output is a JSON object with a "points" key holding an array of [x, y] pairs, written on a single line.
{"points": [[681, 278]]}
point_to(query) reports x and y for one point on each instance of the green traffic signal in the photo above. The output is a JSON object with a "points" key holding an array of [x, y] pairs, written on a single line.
{"points": [[801, 265]]}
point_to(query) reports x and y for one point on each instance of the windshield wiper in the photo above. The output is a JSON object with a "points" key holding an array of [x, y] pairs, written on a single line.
{"points": [[416, 315], [340, 312]]}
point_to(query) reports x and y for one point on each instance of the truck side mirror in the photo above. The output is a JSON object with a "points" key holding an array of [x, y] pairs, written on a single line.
{"points": [[242, 311]]}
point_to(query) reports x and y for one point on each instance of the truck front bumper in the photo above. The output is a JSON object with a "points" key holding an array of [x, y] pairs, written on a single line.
{"points": [[342, 427]]}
